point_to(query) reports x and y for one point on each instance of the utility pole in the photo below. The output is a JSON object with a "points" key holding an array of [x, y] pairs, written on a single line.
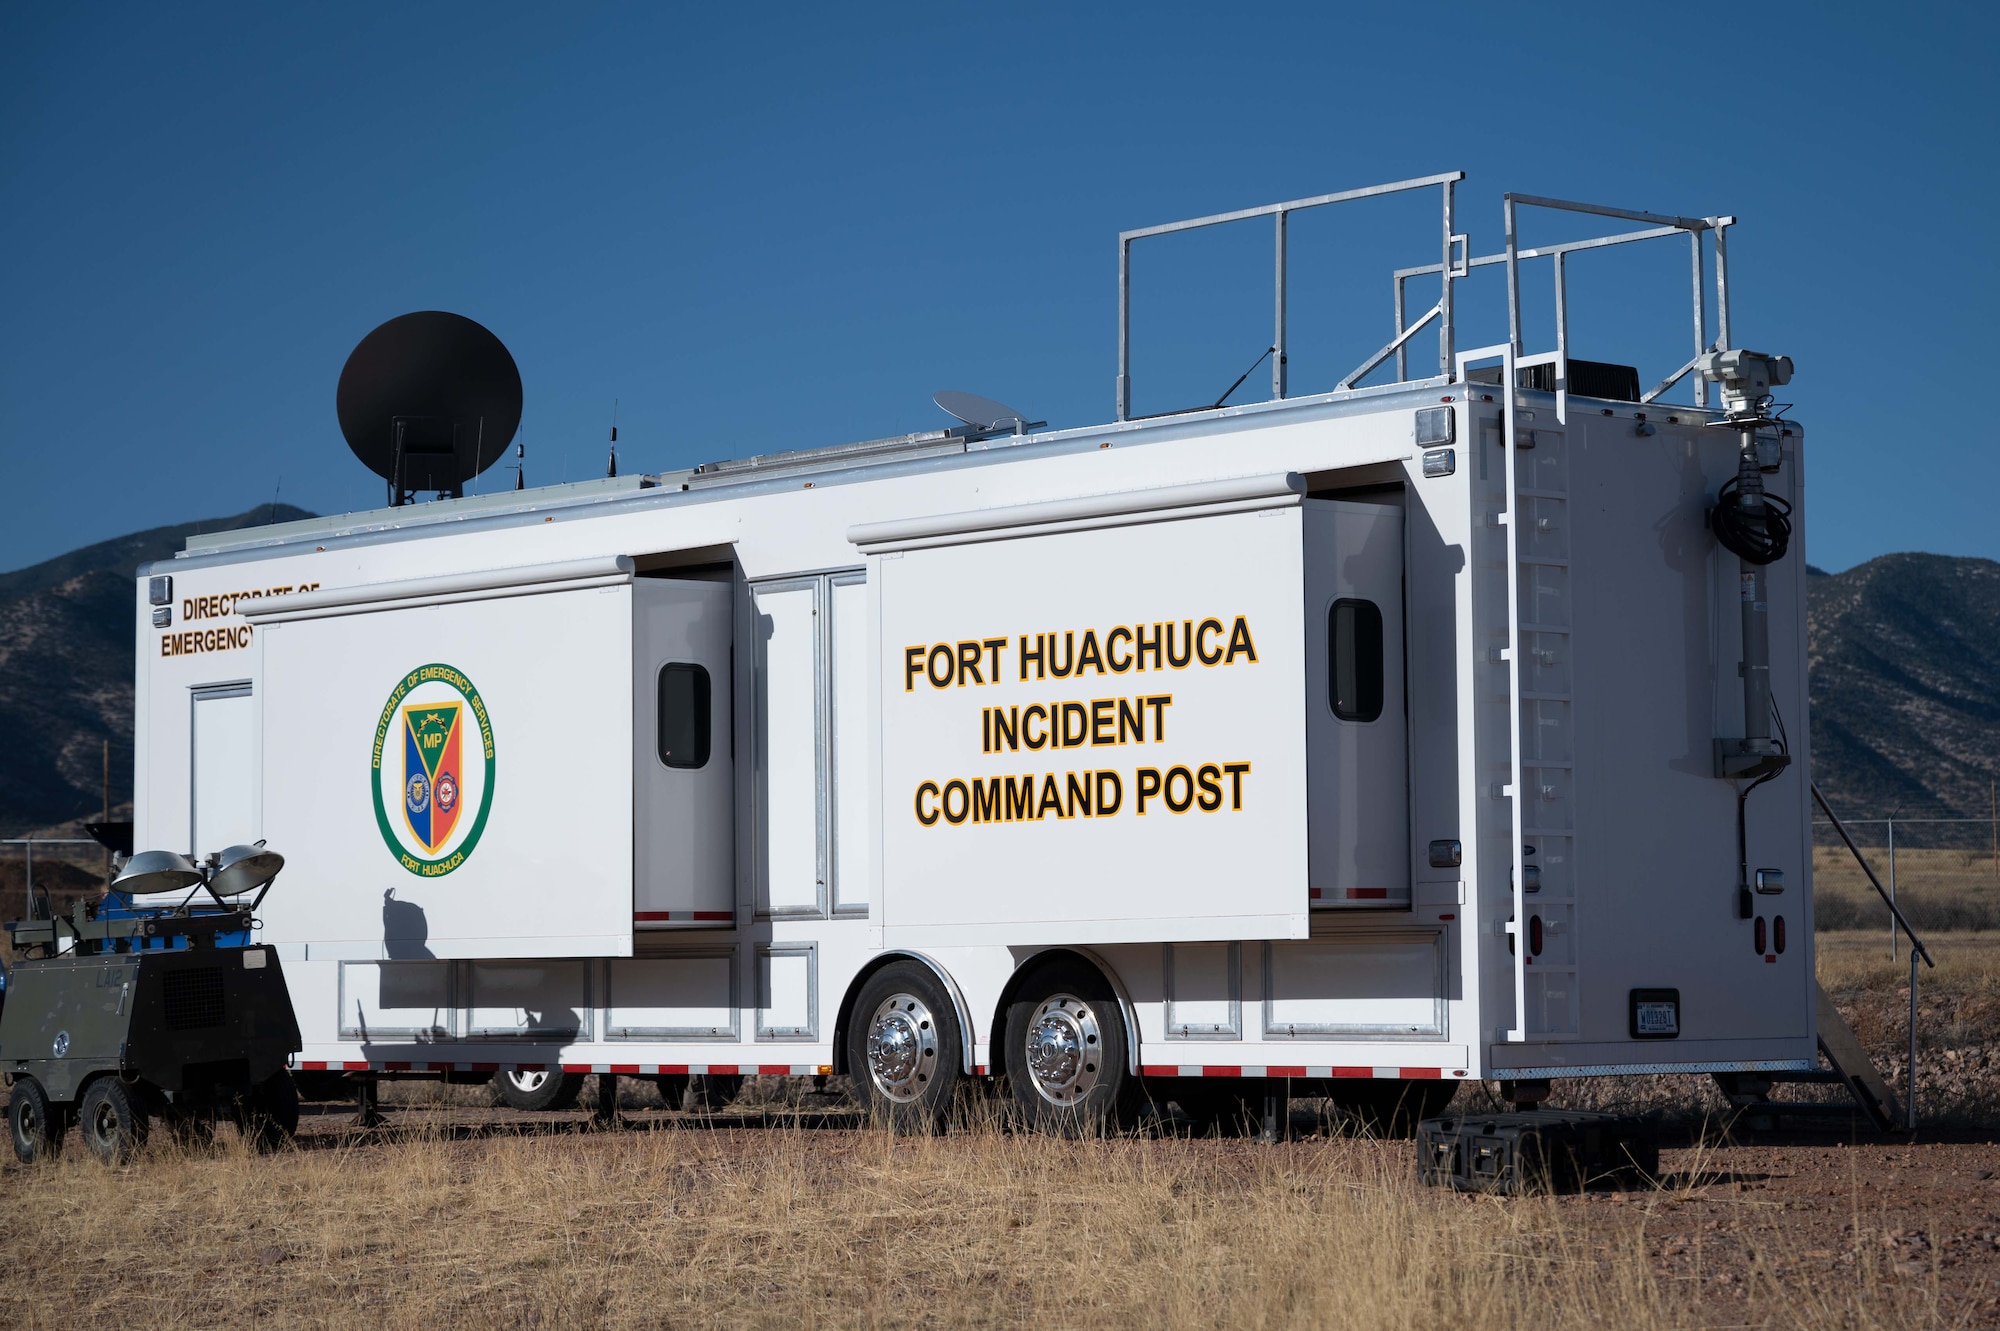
{"points": [[106, 816]]}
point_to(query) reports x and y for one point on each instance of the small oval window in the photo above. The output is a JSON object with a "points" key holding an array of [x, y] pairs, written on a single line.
{"points": [[684, 725], [1354, 659]]}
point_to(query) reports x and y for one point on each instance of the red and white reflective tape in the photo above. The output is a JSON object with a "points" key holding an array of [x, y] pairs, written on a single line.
{"points": [[1301, 1070], [1298, 1070], [618, 1069], [684, 916]]}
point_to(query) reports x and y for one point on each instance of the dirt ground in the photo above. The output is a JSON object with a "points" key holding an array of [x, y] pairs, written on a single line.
{"points": [[1797, 1211]]}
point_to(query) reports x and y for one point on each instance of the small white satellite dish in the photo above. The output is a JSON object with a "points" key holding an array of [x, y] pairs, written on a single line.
{"points": [[983, 413]]}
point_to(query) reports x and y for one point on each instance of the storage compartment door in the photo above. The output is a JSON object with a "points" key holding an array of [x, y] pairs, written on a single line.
{"points": [[683, 779], [1389, 986], [1357, 728]]}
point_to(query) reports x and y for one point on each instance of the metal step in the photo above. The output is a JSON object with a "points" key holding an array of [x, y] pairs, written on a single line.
{"points": [[1749, 1092], [1843, 1050]]}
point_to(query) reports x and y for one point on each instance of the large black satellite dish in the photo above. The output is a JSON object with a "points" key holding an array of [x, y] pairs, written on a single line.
{"points": [[428, 401]]}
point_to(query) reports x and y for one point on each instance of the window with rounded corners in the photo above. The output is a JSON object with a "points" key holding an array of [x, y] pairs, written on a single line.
{"points": [[1354, 659], [684, 726]]}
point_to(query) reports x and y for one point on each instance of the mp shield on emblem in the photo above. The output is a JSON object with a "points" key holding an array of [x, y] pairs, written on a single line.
{"points": [[433, 769]]}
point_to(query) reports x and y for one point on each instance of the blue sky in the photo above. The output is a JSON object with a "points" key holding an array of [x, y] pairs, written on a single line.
{"points": [[763, 228]]}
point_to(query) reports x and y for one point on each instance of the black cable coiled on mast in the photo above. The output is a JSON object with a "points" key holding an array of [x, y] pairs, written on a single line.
{"points": [[1757, 538]]}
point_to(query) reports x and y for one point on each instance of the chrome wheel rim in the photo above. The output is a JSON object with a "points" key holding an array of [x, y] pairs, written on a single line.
{"points": [[902, 1047], [527, 1083], [1065, 1049]]}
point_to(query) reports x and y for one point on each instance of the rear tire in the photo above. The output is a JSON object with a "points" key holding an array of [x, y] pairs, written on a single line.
{"points": [[268, 1113], [538, 1089], [904, 1050], [35, 1124], [1066, 1052], [113, 1120]]}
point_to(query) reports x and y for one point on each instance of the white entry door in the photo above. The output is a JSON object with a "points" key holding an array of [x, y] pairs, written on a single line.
{"points": [[1357, 728], [684, 830], [223, 800]]}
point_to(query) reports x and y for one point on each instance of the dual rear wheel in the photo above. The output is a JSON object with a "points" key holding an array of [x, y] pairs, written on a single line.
{"points": [[1064, 1052], [904, 1049], [1065, 1061]]}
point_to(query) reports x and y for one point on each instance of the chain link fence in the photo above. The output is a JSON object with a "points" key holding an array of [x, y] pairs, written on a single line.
{"points": [[44, 875], [1943, 872]]}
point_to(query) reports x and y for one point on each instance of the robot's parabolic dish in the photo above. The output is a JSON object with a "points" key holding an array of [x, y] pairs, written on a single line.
{"points": [[244, 869], [428, 401], [156, 871], [982, 413]]}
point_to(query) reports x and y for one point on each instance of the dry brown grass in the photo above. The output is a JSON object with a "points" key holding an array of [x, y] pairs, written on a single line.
{"points": [[430, 1226], [1938, 890], [1858, 962], [794, 1227]]}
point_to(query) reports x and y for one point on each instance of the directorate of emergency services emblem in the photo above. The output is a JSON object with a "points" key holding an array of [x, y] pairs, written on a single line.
{"points": [[433, 769]]}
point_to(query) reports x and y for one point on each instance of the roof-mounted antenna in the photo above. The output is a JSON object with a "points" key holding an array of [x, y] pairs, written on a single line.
{"points": [[521, 460], [612, 469], [983, 414]]}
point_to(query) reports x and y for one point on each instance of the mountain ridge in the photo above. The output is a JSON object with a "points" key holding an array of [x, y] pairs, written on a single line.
{"points": [[1904, 658], [67, 649]]}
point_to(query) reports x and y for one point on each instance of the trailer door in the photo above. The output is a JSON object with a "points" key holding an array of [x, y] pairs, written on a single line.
{"points": [[683, 828], [1357, 728], [223, 801]]}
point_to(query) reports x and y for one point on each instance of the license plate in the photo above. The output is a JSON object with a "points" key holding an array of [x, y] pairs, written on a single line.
{"points": [[1657, 1018]]}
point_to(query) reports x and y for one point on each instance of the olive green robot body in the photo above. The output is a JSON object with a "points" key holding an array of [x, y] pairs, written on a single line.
{"points": [[187, 1022], [127, 1019]]}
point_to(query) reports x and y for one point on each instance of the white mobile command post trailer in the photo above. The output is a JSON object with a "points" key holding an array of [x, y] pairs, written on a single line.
{"points": [[1363, 743]]}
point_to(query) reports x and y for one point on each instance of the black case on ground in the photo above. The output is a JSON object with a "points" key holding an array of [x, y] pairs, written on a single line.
{"points": [[1532, 1150]]}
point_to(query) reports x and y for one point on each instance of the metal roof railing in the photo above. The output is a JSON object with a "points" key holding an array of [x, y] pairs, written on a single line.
{"points": [[1280, 213], [1455, 262]]}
